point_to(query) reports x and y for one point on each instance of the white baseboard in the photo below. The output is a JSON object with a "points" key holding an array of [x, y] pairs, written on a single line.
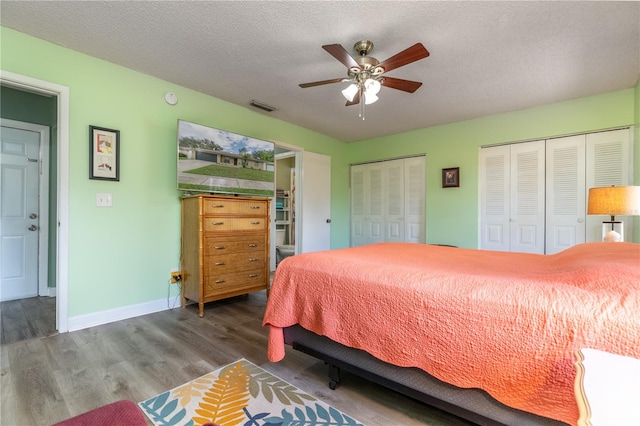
{"points": [[104, 317]]}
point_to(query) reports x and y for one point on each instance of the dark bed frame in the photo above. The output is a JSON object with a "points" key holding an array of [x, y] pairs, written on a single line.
{"points": [[473, 405]]}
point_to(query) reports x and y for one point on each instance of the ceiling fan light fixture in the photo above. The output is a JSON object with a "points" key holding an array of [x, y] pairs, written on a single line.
{"points": [[369, 98], [350, 92], [372, 86]]}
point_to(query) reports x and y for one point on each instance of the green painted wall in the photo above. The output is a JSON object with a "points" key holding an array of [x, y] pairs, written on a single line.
{"points": [[122, 255], [452, 213]]}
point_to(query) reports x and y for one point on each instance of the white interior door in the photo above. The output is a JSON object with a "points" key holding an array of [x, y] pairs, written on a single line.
{"points": [[315, 218], [19, 212], [527, 187], [565, 193]]}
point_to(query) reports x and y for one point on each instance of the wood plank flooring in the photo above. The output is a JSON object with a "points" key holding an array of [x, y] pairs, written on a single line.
{"points": [[46, 380], [27, 318]]}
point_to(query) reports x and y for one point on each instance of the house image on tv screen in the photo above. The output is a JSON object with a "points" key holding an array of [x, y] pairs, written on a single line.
{"points": [[217, 161]]}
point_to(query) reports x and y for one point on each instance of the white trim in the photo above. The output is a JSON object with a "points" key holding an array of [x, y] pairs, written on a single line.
{"points": [[46, 88], [117, 314], [43, 198]]}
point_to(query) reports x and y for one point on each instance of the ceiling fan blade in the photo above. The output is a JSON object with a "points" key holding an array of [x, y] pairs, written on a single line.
{"points": [[355, 101], [320, 83], [341, 54], [407, 56], [400, 84]]}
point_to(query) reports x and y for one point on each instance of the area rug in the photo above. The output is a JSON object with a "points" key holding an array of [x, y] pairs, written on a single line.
{"points": [[241, 393]]}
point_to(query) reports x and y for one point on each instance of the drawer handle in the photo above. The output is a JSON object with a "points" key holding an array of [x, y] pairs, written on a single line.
{"points": [[253, 259], [218, 223], [255, 207], [257, 222], [253, 275], [219, 247], [219, 263], [218, 206], [220, 281], [253, 245]]}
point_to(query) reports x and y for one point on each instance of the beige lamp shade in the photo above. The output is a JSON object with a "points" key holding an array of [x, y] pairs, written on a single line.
{"points": [[614, 201]]}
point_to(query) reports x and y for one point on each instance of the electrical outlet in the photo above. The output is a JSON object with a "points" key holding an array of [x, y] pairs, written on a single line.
{"points": [[176, 277]]}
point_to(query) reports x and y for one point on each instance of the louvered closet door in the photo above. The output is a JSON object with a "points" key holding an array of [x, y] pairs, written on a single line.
{"points": [[388, 201], [527, 196], [565, 194], [494, 198], [609, 162], [358, 207], [394, 200], [375, 203], [414, 200]]}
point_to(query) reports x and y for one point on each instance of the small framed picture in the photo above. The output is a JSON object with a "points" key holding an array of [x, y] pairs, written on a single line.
{"points": [[104, 153], [451, 177]]}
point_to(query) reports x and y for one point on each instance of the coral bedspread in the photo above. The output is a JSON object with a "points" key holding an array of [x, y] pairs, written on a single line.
{"points": [[507, 323]]}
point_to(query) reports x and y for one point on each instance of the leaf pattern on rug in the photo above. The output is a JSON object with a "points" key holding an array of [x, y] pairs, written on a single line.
{"points": [[241, 394], [162, 413], [226, 399], [309, 417], [270, 385], [194, 389]]}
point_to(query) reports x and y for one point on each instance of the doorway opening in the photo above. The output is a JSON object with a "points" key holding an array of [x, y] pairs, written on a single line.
{"points": [[21, 94]]}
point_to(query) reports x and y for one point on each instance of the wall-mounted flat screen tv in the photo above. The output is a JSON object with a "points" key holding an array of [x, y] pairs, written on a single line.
{"points": [[216, 161]]}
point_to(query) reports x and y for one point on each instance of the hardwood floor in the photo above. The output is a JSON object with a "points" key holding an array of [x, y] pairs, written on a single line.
{"points": [[27, 318], [46, 380]]}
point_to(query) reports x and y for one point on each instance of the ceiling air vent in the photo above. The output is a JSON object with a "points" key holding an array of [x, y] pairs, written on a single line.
{"points": [[262, 106]]}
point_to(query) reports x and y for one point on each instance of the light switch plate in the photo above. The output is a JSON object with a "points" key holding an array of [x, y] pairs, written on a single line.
{"points": [[103, 200]]}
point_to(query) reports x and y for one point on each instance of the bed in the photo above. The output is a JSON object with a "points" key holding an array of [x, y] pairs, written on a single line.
{"points": [[489, 336]]}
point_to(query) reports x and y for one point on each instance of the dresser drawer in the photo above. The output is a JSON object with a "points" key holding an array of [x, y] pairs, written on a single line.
{"points": [[216, 246], [232, 263], [212, 224], [222, 283], [223, 206]]}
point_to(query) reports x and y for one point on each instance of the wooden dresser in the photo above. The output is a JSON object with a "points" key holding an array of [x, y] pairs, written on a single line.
{"points": [[225, 247]]}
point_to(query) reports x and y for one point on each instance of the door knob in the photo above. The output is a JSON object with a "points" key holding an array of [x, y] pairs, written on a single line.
{"points": [[33, 216], [33, 228], [328, 220]]}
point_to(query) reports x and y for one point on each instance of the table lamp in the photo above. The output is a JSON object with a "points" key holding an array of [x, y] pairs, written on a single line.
{"points": [[614, 201]]}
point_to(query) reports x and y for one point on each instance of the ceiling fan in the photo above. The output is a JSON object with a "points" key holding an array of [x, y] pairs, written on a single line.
{"points": [[366, 74]]}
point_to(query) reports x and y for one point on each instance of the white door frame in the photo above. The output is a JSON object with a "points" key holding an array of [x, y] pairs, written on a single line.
{"points": [[43, 198], [61, 93]]}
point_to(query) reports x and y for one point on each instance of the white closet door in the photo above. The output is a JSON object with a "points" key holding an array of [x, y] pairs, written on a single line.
{"points": [[414, 200], [565, 193], [394, 201], [494, 198], [608, 163], [358, 206], [375, 199], [388, 202], [526, 230]]}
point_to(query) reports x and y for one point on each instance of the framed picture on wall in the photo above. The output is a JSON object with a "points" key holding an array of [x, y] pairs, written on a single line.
{"points": [[104, 153], [451, 177]]}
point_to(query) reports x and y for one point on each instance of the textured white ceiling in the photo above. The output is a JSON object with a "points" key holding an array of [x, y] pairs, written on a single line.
{"points": [[486, 57]]}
